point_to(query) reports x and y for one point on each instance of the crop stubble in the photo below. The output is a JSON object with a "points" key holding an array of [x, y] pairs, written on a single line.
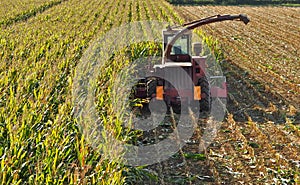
{"points": [[267, 48], [262, 69]]}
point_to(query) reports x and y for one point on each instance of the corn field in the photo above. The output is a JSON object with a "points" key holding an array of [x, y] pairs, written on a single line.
{"points": [[42, 42]]}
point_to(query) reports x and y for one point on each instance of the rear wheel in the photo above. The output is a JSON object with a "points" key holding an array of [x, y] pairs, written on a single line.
{"points": [[151, 87], [151, 90], [205, 102]]}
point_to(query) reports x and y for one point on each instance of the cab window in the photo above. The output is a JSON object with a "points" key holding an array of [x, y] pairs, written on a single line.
{"points": [[180, 46]]}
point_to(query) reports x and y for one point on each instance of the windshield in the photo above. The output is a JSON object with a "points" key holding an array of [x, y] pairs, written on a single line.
{"points": [[181, 46]]}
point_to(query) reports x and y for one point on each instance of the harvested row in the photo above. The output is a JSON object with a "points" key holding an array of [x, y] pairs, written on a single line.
{"points": [[284, 45], [263, 135], [275, 59], [249, 147], [255, 35], [266, 107]]}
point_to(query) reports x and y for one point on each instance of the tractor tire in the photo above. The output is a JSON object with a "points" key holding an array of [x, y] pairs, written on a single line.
{"points": [[151, 88], [205, 102], [151, 93], [176, 108]]}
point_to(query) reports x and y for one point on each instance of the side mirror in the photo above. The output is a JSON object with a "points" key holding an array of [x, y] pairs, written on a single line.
{"points": [[197, 48]]}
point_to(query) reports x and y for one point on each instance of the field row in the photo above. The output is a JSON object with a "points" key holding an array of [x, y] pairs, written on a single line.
{"points": [[15, 11]]}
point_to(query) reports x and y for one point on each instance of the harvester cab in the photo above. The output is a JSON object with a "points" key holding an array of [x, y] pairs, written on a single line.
{"points": [[181, 46], [181, 78]]}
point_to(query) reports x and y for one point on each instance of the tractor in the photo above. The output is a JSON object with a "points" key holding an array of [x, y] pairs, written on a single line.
{"points": [[181, 78]]}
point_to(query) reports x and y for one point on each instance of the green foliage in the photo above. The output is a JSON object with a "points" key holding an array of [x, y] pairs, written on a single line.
{"points": [[23, 16], [195, 156], [213, 45], [139, 174], [41, 141]]}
